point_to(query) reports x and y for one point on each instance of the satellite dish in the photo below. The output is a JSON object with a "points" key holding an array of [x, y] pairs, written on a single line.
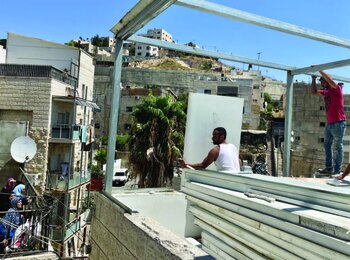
{"points": [[23, 149]]}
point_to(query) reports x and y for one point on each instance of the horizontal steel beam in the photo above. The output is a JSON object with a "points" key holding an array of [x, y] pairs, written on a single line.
{"points": [[325, 66], [207, 53], [219, 55], [262, 21], [143, 12]]}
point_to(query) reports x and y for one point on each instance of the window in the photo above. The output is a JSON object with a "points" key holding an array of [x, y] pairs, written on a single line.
{"points": [[297, 138], [227, 91], [255, 100], [62, 118], [256, 87], [139, 47], [207, 91], [322, 108], [74, 70], [321, 140], [322, 124], [148, 54], [139, 54], [128, 109], [148, 48]]}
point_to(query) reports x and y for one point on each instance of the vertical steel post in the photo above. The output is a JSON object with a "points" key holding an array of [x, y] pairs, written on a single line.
{"points": [[113, 125], [288, 125]]}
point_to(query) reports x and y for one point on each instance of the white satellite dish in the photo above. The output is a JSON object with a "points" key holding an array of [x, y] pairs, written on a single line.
{"points": [[23, 149]]}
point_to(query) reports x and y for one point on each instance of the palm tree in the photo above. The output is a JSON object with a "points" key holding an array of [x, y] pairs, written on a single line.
{"points": [[156, 139]]}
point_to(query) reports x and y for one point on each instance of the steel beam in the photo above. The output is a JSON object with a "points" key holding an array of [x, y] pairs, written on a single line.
{"points": [[288, 126], [262, 21], [219, 55], [113, 125], [143, 12], [325, 66], [207, 53]]}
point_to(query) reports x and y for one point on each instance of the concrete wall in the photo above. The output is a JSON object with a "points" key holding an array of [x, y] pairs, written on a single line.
{"points": [[116, 234], [27, 50], [2, 54]]}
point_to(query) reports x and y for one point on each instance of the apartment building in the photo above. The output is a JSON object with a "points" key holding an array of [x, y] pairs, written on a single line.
{"points": [[53, 96], [142, 50], [159, 34]]}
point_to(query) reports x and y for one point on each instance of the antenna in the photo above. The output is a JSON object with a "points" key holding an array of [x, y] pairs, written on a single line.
{"points": [[23, 149]]}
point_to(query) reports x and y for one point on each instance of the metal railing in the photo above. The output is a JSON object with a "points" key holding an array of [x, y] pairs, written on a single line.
{"points": [[63, 183]]}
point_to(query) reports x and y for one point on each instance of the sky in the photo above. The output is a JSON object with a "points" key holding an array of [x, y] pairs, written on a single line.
{"points": [[61, 21]]}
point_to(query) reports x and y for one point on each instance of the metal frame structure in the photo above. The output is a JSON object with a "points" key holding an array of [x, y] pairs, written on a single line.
{"points": [[145, 10]]}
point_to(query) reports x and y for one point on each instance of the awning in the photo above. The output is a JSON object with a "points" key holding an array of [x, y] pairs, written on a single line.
{"points": [[87, 103]]}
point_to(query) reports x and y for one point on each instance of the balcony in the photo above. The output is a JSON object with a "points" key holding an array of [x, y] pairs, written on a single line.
{"points": [[59, 183], [57, 232], [64, 133]]}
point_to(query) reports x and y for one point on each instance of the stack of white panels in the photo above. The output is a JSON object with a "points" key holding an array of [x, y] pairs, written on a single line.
{"points": [[263, 217]]}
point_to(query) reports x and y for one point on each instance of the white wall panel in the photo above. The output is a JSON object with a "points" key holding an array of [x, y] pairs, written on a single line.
{"points": [[206, 112]]}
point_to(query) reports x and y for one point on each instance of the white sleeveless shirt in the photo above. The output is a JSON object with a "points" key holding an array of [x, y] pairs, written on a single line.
{"points": [[227, 160]]}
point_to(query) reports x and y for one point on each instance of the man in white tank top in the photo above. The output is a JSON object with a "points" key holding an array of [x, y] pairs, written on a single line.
{"points": [[224, 155]]}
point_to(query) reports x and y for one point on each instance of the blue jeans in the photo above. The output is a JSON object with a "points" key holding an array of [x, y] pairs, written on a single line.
{"points": [[334, 131]]}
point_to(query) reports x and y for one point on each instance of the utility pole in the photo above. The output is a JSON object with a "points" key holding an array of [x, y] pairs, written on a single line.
{"points": [[259, 58]]}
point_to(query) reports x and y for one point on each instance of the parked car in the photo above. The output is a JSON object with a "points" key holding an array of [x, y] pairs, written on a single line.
{"points": [[121, 176]]}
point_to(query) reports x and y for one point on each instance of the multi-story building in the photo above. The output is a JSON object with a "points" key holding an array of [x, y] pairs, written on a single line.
{"points": [[159, 34], [248, 85], [53, 96], [142, 50], [308, 125], [145, 51]]}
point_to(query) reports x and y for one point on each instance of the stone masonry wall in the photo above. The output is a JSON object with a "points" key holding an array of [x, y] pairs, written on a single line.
{"points": [[308, 125], [30, 96]]}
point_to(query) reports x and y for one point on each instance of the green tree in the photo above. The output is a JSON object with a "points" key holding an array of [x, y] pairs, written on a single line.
{"points": [[100, 41], [101, 157], [156, 139]]}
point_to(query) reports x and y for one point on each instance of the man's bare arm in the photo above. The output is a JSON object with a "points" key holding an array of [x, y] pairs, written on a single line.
{"points": [[314, 90], [329, 79], [209, 159]]}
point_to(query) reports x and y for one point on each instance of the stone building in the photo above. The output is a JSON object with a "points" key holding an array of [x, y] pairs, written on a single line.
{"points": [[247, 84], [53, 98], [308, 126], [143, 50]]}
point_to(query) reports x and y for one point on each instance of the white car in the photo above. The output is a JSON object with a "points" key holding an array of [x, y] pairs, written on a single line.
{"points": [[121, 176]]}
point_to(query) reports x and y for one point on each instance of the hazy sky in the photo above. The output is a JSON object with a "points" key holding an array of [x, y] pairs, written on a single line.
{"points": [[61, 21]]}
